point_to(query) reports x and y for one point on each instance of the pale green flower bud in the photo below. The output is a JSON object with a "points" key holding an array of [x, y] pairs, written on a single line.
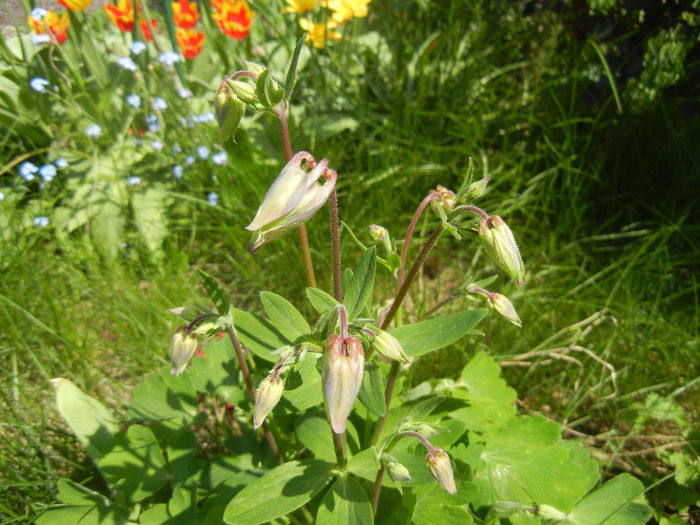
{"points": [[343, 367], [476, 189], [500, 245], [293, 198], [447, 198], [182, 347], [439, 465], [254, 68], [380, 234], [397, 471], [387, 345], [229, 111], [551, 513], [244, 91], [502, 305], [267, 396]]}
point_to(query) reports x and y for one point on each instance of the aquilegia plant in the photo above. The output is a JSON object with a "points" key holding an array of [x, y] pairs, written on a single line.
{"points": [[294, 420]]}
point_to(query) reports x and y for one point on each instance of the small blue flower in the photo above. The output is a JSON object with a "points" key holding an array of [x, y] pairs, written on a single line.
{"points": [[203, 152], [47, 172], [41, 221], [159, 104], [39, 84], [61, 163], [93, 130], [27, 170], [154, 124], [41, 38], [137, 47], [168, 58], [127, 63], [133, 100], [2, 196], [177, 171], [138, 142], [189, 160], [219, 158], [175, 149], [213, 198], [156, 145], [204, 117], [184, 93], [38, 13], [133, 180]]}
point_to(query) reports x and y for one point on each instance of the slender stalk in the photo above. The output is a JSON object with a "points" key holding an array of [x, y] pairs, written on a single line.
{"points": [[251, 391], [409, 233], [283, 114], [377, 489], [335, 239]]}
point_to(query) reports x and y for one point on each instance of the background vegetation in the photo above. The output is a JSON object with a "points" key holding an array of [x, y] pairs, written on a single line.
{"points": [[584, 115]]}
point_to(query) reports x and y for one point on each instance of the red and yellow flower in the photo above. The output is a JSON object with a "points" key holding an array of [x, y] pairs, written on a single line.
{"points": [[52, 24], [235, 17], [122, 16], [185, 14], [189, 41], [75, 5]]}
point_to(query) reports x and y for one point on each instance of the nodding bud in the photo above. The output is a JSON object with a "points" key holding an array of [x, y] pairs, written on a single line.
{"points": [[343, 367], [446, 197], [387, 345], [254, 68], [476, 189], [439, 465], [243, 91], [500, 245], [380, 234], [267, 396], [229, 110], [182, 347], [397, 471], [502, 305], [293, 198]]}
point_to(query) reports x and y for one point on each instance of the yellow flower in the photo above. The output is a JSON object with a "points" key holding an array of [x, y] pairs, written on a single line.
{"points": [[301, 6], [344, 10], [75, 5], [319, 32]]}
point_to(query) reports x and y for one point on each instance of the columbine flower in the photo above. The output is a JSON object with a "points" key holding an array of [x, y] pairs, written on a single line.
{"points": [[75, 5], [182, 347], [219, 158], [235, 17], [319, 32], [212, 199], [300, 6], [27, 170], [177, 171], [159, 104], [156, 144], [137, 47], [41, 38], [127, 63], [343, 368], [133, 100], [93, 131], [39, 84], [502, 305], [344, 10], [168, 58], [184, 93], [133, 180], [47, 172], [61, 163], [190, 42], [40, 221], [184, 14], [293, 198], [267, 396], [439, 465], [51, 24], [499, 243], [203, 152]]}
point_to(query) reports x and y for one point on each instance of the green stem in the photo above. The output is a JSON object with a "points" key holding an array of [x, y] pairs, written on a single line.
{"points": [[171, 34]]}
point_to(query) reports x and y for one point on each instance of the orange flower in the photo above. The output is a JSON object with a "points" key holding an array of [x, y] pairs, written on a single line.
{"points": [[52, 24], [75, 5], [190, 42], [147, 30], [122, 16], [185, 14], [235, 18]]}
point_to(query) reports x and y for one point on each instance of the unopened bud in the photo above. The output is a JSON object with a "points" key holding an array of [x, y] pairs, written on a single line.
{"points": [[439, 465], [550, 513], [380, 234], [182, 347], [229, 111], [343, 367], [500, 245], [243, 90], [447, 198], [387, 345], [267, 396], [254, 68], [502, 305], [476, 189], [397, 471]]}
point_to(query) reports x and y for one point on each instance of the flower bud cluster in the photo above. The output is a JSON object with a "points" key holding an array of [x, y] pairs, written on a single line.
{"points": [[343, 368]]}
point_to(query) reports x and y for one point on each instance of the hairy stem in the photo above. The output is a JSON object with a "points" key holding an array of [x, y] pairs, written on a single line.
{"points": [[409, 233], [251, 390], [335, 239]]}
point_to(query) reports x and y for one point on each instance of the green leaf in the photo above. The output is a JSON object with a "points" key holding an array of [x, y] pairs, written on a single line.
{"points": [[150, 208], [291, 72], [309, 393], [164, 397], [491, 400], [279, 492], [346, 503], [216, 292], [90, 421], [135, 466], [267, 90], [284, 316], [359, 289], [423, 337], [259, 335], [320, 300], [82, 506], [182, 446], [216, 372], [619, 502], [372, 390], [108, 220], [315, 434], [437, 507]]}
